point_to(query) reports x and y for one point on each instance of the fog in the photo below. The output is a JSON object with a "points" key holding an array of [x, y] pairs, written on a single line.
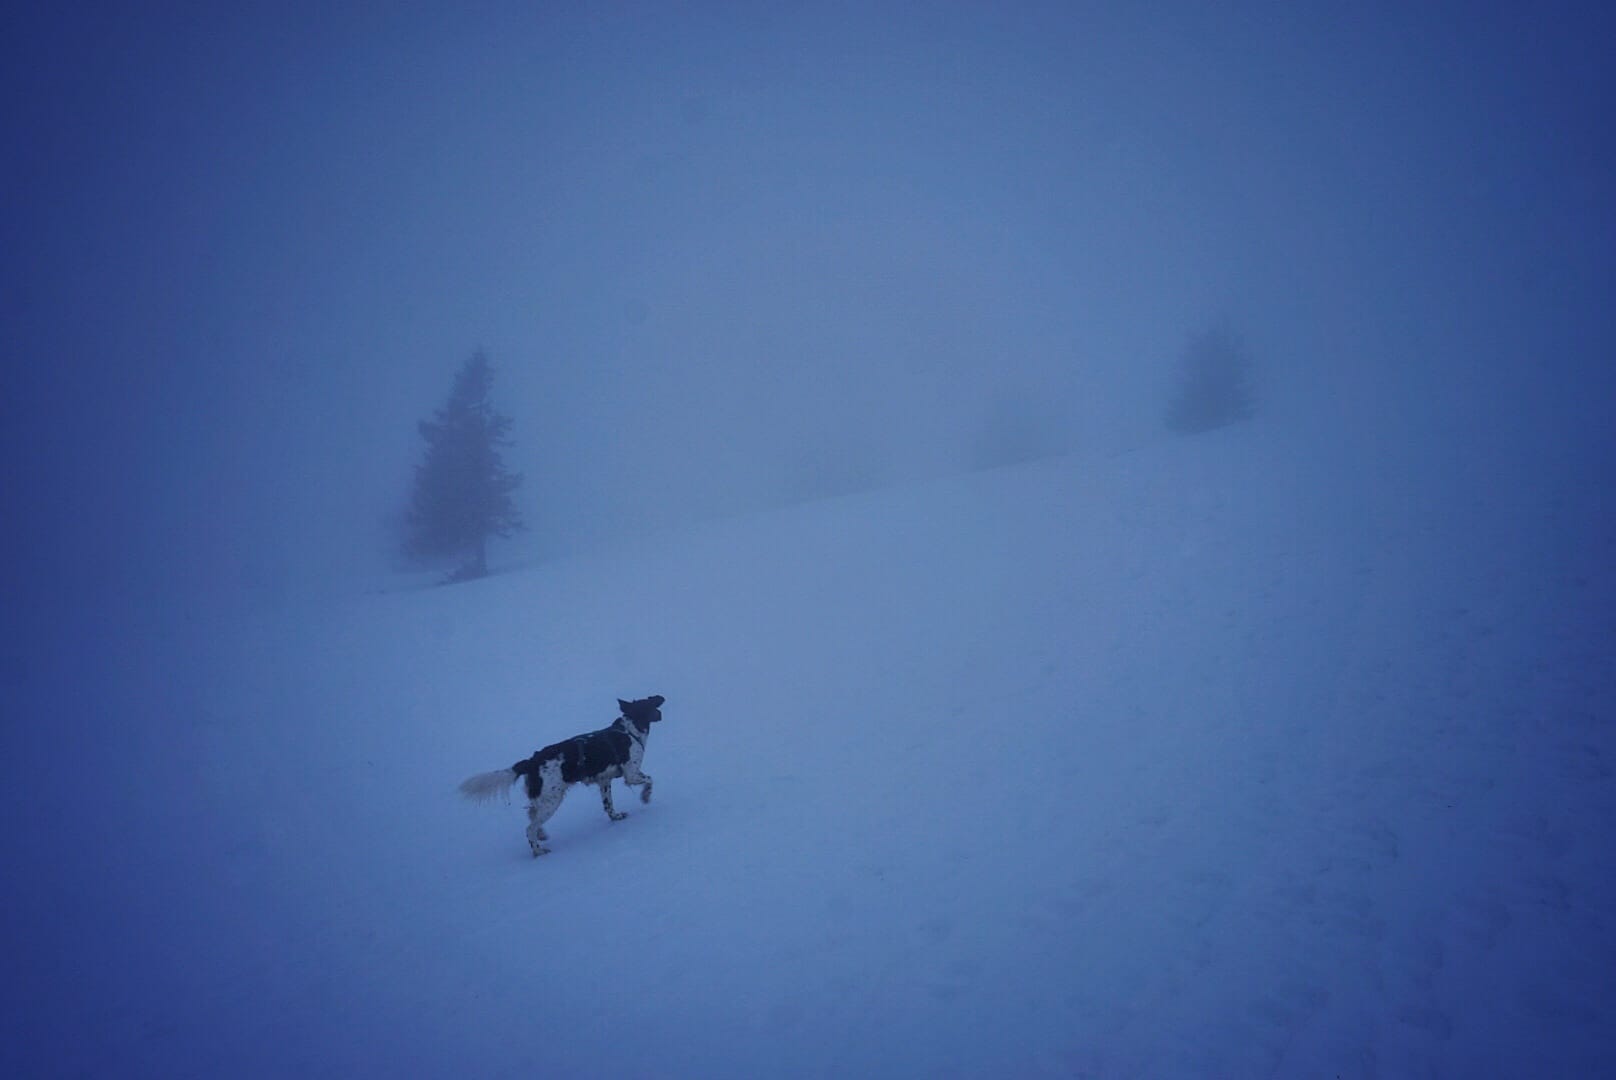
{"points": [[733, 258], [742, 258]]}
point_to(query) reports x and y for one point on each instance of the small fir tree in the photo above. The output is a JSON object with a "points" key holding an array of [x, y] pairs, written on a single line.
{"points": [[1214, 385], [462, 491]]}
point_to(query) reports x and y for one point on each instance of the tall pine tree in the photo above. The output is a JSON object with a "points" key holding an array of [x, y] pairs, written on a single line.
{"points": [[462, 492], [1214, 383]]}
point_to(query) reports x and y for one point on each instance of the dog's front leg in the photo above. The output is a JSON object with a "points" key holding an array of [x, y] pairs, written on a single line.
{"points": [[633, 777], [606, 801]]}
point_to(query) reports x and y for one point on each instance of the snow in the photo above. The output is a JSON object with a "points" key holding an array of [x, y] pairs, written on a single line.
{"points": [[1222, 757]]}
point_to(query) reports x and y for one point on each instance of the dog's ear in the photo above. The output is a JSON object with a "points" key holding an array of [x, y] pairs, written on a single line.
{"points": [[623, 706]]}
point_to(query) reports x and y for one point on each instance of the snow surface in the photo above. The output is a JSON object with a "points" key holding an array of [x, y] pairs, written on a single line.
{"points": [[1222, 757]]}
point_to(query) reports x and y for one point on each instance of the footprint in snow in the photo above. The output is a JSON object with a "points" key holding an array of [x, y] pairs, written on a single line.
{"points": [[1432, 1021], [1290, 1006], [1583, 761], [1549, 891], [1481, 920], [959, 980], [1380, 838], [1552, 1003], [1421, 955]]}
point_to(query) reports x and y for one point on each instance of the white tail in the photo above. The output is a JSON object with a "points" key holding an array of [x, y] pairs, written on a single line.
{"points": [[485, 786]]}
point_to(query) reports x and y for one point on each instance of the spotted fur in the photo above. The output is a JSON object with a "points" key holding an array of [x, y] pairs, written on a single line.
{"points": [[598, 758]]}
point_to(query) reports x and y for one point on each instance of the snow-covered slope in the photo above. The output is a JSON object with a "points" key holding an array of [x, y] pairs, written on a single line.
{"points": [[1209, 759]]}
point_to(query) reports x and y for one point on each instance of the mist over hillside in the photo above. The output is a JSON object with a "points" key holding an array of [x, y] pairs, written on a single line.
{"points": [[722, 260], [1019, 719]]}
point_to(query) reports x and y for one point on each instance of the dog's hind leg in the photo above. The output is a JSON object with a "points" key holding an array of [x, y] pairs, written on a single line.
{"points": [[539, 809], [606, 801], [538, 812], [536, 836]]}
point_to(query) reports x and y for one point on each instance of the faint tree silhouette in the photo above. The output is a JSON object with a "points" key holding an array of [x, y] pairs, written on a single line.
{"points": [[1214, 383], [462, 490]]}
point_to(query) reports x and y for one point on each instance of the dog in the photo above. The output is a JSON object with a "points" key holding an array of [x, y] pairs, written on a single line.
{"points": [[596, 758]]}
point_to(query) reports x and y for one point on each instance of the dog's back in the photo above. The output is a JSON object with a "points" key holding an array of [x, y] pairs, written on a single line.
{"points": [[598, 755], [592, 756]]}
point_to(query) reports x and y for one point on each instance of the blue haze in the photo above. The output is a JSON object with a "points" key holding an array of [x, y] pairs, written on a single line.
{"points": [[725, 260]]}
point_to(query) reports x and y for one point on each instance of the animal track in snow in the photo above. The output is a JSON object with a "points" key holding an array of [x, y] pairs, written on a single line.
{"points": [[1583, 761], [1481, 920], [1290, 1005], [1381, 839], [1432, 1021]]}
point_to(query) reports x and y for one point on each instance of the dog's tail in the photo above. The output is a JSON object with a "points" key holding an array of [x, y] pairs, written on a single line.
{"points": [[485, 786]]}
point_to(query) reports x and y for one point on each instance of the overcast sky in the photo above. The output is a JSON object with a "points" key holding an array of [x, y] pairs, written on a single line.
{"points": [[737, 254]]}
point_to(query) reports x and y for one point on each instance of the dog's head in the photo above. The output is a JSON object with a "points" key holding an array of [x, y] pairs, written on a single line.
{"points": [[643, 712]]}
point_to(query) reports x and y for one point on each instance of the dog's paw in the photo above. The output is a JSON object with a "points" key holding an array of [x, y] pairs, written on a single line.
{"points": [[540, 851], [619, 815], [645, 793]]}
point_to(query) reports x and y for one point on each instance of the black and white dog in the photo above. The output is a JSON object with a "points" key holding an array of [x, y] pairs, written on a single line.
{"points": [[596, 758]]}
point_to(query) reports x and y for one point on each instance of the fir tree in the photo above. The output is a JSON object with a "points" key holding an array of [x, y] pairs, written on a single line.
{"points": [[462, 492], [1214, 386]]}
